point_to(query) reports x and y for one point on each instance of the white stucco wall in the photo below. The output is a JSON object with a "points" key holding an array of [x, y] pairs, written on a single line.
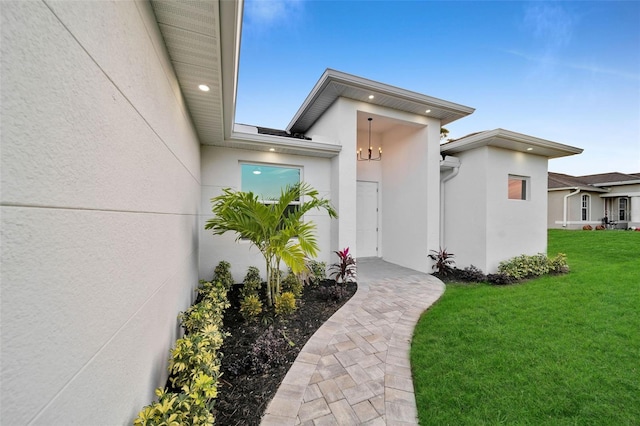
{"points": [[410, 196], [338, 125], [408, 178], [515, 227], [100, 194], [221, 169], [465, 210], [483, 226]]}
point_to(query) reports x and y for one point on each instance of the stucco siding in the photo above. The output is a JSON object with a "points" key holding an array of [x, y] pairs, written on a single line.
{"points": [[100, 195], [555, 209], [338, 125], [482, 225], [221, 169], [465, 211], [515, 227], [410, 196]]}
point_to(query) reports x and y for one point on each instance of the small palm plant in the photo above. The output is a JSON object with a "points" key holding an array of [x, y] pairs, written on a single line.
{"points": [[275, 229]]}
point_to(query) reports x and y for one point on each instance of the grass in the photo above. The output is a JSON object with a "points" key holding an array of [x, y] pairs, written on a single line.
{"points": [[558, 350]]}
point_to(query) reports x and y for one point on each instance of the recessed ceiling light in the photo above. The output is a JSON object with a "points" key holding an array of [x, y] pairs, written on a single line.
{"points": [[272, 149], [529, 149], [428, 111], [371, 96], [257, 172], [204, 88]]}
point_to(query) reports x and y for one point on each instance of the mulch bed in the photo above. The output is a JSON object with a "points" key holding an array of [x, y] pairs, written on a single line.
{"points": [[258, 355]]}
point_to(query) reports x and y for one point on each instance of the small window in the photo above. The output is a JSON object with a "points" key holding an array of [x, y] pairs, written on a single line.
{"points": [[586, 200], [622, 208], [518, 187]]}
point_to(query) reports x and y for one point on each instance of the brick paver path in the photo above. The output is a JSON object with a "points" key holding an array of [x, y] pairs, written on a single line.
{"points": [[355, 369]]}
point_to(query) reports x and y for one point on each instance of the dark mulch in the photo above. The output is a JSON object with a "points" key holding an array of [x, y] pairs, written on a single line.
{"points": [[245, 388]]}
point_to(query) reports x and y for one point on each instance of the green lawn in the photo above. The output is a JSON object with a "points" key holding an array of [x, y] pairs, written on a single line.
{"points": [[561, 350]]}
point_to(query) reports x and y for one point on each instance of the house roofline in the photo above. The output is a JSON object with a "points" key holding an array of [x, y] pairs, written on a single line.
{"points": [[508, 139], [334, 84], [581, 188], [281, 144], [619, 183], [620, 194]]}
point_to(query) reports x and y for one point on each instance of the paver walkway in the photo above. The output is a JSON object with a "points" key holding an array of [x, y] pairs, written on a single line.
{"points": [[355, 369]]}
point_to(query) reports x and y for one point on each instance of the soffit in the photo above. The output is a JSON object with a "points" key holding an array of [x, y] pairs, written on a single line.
{"points": [[513, 141], [334, 84], [191, 32]]}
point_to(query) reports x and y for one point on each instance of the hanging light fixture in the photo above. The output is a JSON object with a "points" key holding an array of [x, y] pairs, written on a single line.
{"points": [[369, 157]]}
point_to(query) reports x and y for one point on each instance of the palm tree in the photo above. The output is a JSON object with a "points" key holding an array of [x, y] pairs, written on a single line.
{"points": [[276, 229]]}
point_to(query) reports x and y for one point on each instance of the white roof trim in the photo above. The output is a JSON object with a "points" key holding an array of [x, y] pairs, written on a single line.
{"points": [[620, 194], [624, 182], [510, 140], [334, 84], [284, 145]]}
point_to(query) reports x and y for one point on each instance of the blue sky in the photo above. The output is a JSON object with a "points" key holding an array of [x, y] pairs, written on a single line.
{"points": [[563, 71]]}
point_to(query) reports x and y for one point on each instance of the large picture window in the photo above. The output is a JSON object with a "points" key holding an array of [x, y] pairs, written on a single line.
{"points": [[267, 181], [518, 187]]}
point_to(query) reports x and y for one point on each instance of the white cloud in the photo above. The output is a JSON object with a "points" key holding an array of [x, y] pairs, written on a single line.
{"points": [[551, 25], [265, 13], [548, 60]]}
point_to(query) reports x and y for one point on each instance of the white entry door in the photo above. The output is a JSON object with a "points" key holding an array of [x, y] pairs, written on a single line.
{"points": [[367, 217]]}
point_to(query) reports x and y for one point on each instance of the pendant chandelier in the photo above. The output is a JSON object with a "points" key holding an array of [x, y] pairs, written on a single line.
{"points": [[369, 157]]}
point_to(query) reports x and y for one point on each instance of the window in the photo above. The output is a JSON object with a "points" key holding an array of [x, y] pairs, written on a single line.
{"points": [[622, 209], [518, 187], [268, 181], [586, 199]]}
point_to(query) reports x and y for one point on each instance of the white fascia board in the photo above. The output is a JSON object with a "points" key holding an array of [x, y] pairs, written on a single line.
{"points": [[620, 194], [581, 188], [369, 86], [624, 182], [300, 146], [230, 36], [489, 137]]}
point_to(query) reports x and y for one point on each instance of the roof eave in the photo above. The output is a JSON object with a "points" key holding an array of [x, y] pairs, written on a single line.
{"points": [[517, 141], [286, 145], [366, 87], [623, 182]]}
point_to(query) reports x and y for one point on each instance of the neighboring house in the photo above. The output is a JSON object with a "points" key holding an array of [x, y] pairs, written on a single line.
{"points": [[607, 198], [111, 153]]}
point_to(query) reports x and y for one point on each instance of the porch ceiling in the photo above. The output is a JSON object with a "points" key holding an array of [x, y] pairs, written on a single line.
{"points": [[334, 84], [202, 39]]}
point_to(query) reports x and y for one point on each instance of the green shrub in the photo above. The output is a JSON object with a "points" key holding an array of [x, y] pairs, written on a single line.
{"points": [[317, 271], [194, 367], [525, 266], [291, 283], [285, 304], [175, 409], [558, 264], [250, 307], [222, 274], [252, 282]]}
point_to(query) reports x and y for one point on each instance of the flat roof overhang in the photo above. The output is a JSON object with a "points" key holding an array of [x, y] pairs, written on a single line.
{"points": [[335, 84], [513, 141]]}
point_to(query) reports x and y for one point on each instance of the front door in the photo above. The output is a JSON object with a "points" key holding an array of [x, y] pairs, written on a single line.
{"points": [[367, 217]]}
